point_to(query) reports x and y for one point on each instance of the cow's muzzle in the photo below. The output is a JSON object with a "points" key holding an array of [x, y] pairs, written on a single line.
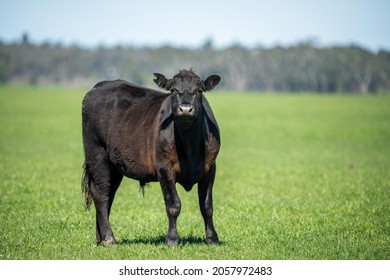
{"points": [[186, 110], [186, 115]]}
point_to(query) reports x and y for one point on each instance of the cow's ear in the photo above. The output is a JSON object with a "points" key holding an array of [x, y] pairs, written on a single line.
{"points": [[211, 82], [161, 81]]}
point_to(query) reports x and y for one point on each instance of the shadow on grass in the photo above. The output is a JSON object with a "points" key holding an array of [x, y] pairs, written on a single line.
{"points": [[160, 240]]}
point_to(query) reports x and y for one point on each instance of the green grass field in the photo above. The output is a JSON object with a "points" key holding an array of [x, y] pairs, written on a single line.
{"points": [[299, 177]]}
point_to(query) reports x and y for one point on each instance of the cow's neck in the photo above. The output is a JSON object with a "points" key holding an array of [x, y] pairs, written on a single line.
{"points": [[189, 141]]}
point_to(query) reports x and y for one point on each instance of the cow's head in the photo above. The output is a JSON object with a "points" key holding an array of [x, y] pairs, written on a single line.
{"points": [[186, 93]]}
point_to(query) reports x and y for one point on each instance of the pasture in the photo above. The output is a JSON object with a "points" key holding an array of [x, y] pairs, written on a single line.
{"points": [[298, 177]]}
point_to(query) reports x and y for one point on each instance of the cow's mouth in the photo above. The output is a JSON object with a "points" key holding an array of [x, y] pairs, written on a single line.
{"points": [[185, 121]]}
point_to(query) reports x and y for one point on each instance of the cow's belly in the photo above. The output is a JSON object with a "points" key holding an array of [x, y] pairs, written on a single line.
{"points": [[134, 164]]}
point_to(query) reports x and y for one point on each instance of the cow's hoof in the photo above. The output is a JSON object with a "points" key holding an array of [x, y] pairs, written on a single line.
{"points": [[172, 242], [211, 241], [108, 241]]}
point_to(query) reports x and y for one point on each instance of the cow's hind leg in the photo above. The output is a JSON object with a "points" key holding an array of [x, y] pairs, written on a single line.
{"points": [[105, 182], [205, 193]]}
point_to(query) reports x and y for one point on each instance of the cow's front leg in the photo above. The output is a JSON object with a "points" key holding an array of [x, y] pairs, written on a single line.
{"points": [[205, 193], [172, 204]]}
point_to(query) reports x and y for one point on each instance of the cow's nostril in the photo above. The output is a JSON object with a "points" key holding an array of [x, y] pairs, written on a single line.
{"points": [[186, 109]]}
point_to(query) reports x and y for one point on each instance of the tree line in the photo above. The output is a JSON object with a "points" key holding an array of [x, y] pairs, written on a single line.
{"points": [[303, 67]]}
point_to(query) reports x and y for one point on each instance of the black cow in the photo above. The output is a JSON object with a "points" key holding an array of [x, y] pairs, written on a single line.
{"points": [[148, 135]]}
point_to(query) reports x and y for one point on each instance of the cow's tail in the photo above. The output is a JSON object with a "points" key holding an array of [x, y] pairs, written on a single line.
{"points": [[85, 187]]}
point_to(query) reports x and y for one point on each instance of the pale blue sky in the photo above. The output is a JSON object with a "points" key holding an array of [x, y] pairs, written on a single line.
{"points": [[190, 23]]}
